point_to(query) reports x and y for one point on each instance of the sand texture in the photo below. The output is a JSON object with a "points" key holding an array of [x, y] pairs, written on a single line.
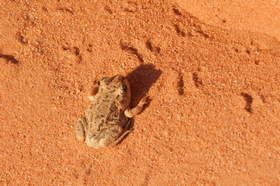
{"points": [[212, 71]]}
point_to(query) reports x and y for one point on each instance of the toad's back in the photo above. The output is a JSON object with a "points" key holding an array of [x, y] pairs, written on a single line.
{"points": [[105, 110]]}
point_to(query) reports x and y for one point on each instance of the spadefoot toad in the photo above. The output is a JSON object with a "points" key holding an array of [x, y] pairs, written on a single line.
{"points": [[107, 120]]}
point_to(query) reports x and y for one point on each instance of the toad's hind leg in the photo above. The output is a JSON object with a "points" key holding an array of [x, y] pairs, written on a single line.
{"points": [[80, 129], [136, 110], [121, 137]]}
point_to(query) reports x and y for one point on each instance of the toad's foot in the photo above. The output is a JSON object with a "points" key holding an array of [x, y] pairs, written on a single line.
{"points": [[138, 109]]}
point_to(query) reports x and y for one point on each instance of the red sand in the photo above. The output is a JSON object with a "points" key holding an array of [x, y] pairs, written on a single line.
{"points": [[214, 115]]}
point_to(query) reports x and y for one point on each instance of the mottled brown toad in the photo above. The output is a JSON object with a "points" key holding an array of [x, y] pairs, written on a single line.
{"points": [[107, 120]]}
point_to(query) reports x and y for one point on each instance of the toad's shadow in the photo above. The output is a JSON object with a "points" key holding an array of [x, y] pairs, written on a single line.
{"points": [[141, 79]]}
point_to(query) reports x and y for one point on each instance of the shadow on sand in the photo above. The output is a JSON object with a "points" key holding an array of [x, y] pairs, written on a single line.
{"points": [[141, 79]]}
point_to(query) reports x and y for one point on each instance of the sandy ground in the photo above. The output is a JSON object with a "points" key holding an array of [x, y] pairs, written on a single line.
{"points": [[211, 70], [256, 16]]}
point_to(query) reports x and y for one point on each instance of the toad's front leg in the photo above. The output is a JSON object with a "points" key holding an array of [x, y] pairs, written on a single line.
{"points": [[138, 109], [95, 89], [80, 129]]}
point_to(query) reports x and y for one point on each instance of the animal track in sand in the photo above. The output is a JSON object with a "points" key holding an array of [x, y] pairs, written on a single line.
{"points": [[180, 84], [196, 79], [151, 46], [9, 58], [249, 100], [66, 10], [126, 46], [72, 53]]}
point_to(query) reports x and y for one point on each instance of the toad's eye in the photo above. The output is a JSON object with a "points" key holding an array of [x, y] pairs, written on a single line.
{"points": [[124, 88]]}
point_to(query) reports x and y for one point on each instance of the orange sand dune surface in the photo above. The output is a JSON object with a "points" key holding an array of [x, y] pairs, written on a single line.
{"points": [[212, 73]]}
